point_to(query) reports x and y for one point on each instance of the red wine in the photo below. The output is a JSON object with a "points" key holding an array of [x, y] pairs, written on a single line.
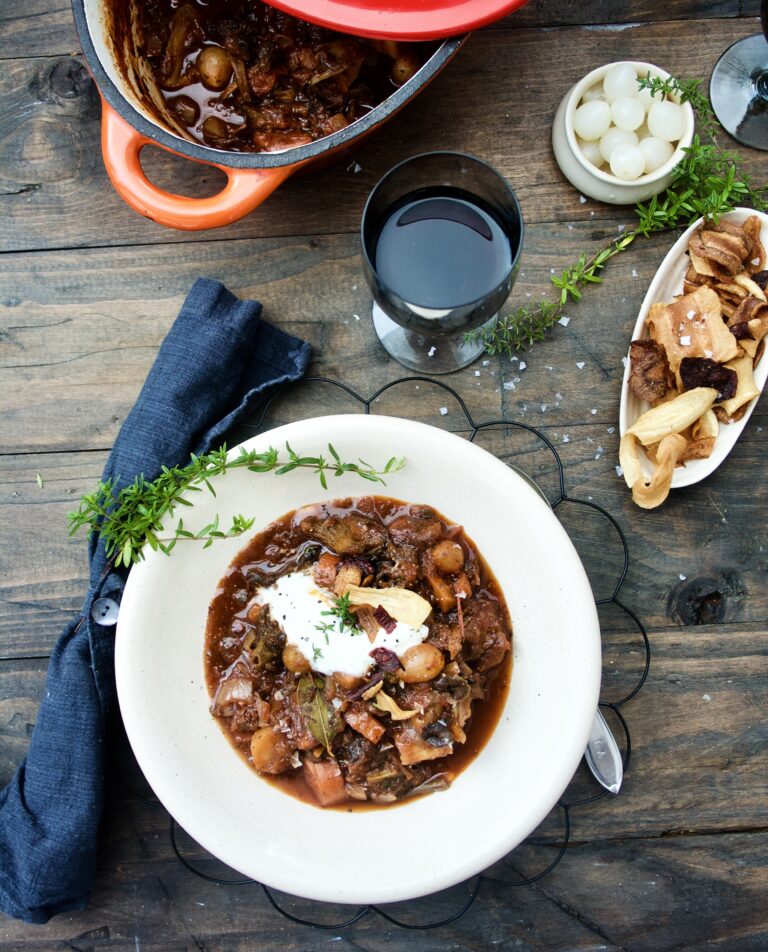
{"points": [[443, 248]]}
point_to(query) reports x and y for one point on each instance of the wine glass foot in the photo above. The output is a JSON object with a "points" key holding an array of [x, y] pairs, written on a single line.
{"points": [[427, 354], [738, 91]]}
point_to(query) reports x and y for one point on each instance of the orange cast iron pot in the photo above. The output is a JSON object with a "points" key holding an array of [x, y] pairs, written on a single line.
{"points": [[128, 126]]}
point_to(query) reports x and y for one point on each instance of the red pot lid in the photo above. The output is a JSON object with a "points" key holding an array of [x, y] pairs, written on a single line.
{"points": [[400, 19]]}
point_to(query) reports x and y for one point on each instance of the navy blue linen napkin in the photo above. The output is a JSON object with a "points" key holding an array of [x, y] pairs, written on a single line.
{"points": [[218, 360]]}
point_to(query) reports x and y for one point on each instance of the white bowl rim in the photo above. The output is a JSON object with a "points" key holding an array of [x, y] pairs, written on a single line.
{"points": [[694, 470], [476, 855], [649, 178]]}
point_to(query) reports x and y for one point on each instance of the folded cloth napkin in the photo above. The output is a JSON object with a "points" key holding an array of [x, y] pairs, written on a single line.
{"points": [[217, 361]]}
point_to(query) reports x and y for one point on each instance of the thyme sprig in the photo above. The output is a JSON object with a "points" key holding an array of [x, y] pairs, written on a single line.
{"points": [[708, 182], [130, 517], [341, 610]]}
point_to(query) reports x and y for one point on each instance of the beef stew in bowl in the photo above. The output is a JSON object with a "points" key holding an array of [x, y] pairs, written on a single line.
{"points": [[509, 786], [324, 679]]}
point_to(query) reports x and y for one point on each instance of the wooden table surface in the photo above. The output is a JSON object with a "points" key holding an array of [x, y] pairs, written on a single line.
{"points": [[88, 289]]}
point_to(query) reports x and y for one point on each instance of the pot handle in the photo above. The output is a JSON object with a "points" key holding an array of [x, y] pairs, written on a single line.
{"points": [[121, 147]]}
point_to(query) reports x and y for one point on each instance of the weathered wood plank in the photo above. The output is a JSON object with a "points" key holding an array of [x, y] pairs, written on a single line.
{"points": [[685, 893], [44, 28], [494, 99]]}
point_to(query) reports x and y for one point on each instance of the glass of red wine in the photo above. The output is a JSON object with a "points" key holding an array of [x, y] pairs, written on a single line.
{"points": [[738, 89], [441, 239]]}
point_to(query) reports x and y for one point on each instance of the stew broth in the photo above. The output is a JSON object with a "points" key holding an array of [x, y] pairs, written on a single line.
{"points": [[373, 758]]}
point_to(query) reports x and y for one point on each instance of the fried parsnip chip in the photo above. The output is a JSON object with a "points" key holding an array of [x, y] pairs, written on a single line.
{"points": [[744, 281], [706, 427], [649, 493], [746, 389], [692, 326], [674, 416]]}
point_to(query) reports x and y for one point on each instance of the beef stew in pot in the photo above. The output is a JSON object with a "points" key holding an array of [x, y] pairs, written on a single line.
{"points": [[242, 76]]}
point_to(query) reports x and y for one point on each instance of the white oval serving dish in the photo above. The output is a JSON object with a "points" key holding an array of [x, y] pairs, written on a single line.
{"points": [[667, 282], [428, 843]]}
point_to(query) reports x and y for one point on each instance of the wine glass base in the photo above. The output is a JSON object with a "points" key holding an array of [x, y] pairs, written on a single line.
{"points": [[427, 354], [738, 91]]}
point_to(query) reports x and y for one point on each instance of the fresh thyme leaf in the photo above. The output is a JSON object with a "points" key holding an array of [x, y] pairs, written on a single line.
{"points": [[322, 718], [128, 517], [707, 183], [341, 610]]}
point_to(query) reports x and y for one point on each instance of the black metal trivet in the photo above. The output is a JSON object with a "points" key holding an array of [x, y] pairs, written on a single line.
{"points": [[561, 498]]}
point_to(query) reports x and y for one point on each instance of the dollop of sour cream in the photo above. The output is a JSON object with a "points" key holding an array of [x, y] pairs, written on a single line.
{"points": [[297, 604]]}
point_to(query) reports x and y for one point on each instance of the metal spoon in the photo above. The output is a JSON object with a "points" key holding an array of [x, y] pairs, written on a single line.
{"points": [[602, 755]]}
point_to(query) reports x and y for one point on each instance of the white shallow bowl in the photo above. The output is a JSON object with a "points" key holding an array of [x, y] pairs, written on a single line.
{"points": [[589, 179], [431, 842], [667, 282]]}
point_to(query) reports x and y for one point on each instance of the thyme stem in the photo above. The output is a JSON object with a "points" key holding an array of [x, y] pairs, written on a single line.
{"points": [[127, 519], [707, 183]]}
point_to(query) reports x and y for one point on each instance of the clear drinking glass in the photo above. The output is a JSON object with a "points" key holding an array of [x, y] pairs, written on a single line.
{"points": [[738, 89], [441, 239]]}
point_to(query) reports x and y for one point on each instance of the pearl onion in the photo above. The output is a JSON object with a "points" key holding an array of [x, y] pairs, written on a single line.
{"points": [[620, 80], [627, 162], [614, 137], [590, 151], [656, 152], [627, 113], [647, 98], [592, 119], [593, 93], [666, 120]]}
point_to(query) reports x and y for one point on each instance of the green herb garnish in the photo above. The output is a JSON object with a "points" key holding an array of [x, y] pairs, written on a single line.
{"points": [[709, 182], [131, 517], [341, 609]]}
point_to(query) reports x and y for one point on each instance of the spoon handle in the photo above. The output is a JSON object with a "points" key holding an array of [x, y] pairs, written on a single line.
{"points": [[603, 755]]}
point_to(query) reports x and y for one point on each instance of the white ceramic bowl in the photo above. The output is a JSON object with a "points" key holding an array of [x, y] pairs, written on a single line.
{"points": [[585, 176], [668, 282], [431, 842]]}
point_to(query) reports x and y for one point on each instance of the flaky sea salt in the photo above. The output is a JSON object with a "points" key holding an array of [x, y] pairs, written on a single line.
{"points": [[682, 577], [599, 452], [582, 200], [565, 321], [593, 411], [634, 273], [558, 396], [432, 351], [477, 373], [443, 411], [486, 363], [580, 364], [625, 360], [566, 438], [619, 471], [611, 429], [509, 384], [523, 365], [685, 340]]}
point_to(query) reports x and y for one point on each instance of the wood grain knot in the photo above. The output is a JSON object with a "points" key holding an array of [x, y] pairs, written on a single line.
{"points": [[70, 79], [703, 600]]}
